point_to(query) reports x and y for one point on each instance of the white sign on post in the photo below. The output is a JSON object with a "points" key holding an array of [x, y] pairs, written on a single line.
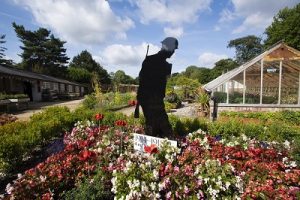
{"points": [[140, 141]]}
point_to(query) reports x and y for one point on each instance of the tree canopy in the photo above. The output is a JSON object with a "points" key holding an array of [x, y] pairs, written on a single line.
{"points": [[222, 66], [42, 52], [83, 65], [246, 48], [201, 74], [3, 60], [121, 77], [285, 26]]}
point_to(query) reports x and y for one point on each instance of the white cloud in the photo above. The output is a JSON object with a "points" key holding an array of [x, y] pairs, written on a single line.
{"points": [[256, 14], [126, 57], [226, 16], [175, 12], [208, 59], [173, 32], [79, 21]]}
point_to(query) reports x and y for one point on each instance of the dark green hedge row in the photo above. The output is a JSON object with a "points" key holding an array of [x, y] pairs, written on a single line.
{"points": [[290, 117]]}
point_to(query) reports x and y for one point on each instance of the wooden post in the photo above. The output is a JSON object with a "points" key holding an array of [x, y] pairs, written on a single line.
{"points": [[261, 79], [244, 87], [280, 78]]}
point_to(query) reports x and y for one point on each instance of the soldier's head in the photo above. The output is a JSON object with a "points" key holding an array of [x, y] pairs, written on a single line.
{"points": [[169, 45]]}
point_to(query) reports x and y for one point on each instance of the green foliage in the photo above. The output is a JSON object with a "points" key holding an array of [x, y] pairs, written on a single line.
{"points": [[222, 66], [287, 116], [85, 62], [183, 86], [12, 96], [183, 126], [202, 74], [246, 48], [3, 60], [90, 189], [42, 52], [114, 100], [79, 75], [172, 100], [285, 26], [90, 101], [18, 139], [227, 128], [119, 77]]}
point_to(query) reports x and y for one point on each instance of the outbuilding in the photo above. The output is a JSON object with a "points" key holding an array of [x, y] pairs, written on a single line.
{"points": [[268, 82], [35, 85]]}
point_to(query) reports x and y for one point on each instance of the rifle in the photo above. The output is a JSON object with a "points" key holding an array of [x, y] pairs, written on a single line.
{"points": [[137, 106]]}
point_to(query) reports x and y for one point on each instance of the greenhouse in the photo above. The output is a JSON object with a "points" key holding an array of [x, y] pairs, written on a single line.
{"points": [[270, 81]]}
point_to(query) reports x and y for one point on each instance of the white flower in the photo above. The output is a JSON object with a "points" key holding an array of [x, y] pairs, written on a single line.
{"points": [[152, 186], [206, 180], [227, 184], [286, 144], [293, 164], [9, 188], [20, 176], [43, 178], [244, 137], [155, 174]]}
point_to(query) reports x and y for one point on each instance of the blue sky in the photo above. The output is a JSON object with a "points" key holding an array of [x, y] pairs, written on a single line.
{"points": [[116, 32]]}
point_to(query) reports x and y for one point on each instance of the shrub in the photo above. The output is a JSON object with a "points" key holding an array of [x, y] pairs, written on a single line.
{"points": [[90, 101], [18, 139]]}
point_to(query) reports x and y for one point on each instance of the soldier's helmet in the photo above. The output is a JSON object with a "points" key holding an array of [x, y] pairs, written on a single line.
{"points": [[169, 44]]}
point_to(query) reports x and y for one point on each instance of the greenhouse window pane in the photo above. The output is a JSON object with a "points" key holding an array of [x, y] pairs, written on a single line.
{"points": [[290, 82], [220, 93], [252, 93], [236, 88], [270, 82]]}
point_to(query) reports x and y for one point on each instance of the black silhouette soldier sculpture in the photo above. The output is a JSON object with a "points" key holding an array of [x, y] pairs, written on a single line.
{"points": [[152, 87]]}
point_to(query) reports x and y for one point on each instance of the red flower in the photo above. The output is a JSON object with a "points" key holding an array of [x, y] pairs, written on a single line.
{"points": [[86, 154], [132, 102], [120, 123], [152, 149], [46, 196], [99, 117]]}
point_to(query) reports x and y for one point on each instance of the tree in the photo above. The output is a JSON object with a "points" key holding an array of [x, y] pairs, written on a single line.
{"points": [[85, 62], [185, 87], [3, 60], [119, 77], [42, 52], [222, 66], [285, 26], [246, 48], [79, 75], [201, 74]]}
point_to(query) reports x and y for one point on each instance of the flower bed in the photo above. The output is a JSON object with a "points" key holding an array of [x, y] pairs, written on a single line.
{"points": [[203, 167]]}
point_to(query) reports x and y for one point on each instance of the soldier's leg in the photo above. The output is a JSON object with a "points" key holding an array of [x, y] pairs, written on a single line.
{"points": [[163, 125], [148, 114]]}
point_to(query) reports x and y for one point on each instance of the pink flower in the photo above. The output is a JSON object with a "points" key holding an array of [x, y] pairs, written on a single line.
{"points": [[186, 189]]}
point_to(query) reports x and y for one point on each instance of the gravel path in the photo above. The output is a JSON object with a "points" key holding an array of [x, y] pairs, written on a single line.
{"points": [[188, 110], [35, 107]]}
